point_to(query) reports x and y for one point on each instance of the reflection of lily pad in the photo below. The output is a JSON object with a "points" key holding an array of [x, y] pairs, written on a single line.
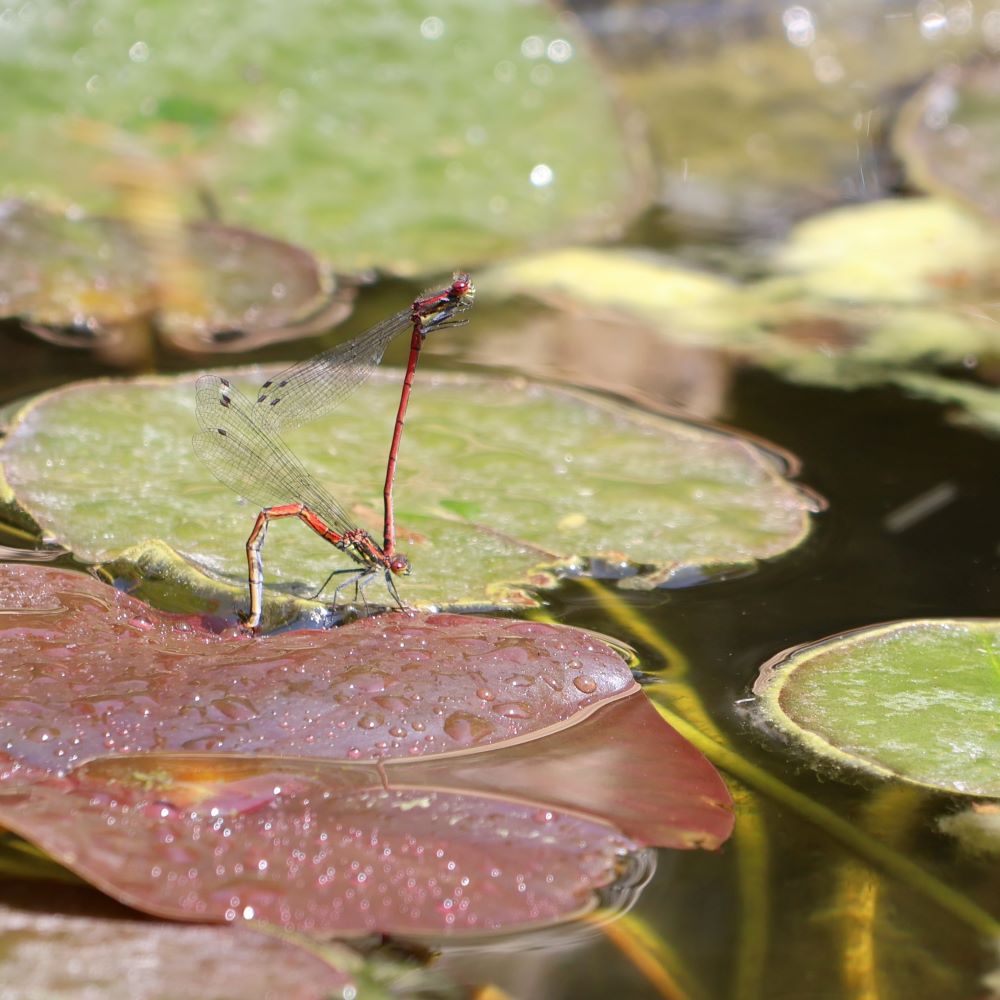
{"points": [[390, 135], [406, 773], [500, 483], [948, 135], [917, 700], [79, 281]]}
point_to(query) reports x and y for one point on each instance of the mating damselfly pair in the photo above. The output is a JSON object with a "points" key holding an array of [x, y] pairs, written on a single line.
{"points": [[240, 439]]}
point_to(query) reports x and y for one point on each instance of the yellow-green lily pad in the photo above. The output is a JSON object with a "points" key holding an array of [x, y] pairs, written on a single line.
{"points": [[393, 134], [888, 252], [917, 700], [501, 484], [859, 296]]}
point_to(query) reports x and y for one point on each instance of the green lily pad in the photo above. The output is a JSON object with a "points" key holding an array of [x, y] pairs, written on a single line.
{"points": [[918, 700], [501, 483], [390, 135], [947, 135]]}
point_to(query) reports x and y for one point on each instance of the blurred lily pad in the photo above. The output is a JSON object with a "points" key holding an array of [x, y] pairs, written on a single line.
{"points": [[89, 282], [762, 113], [888, 252], [501, 485], [370, 778], [916, 700], [77, 945], [948, 132], [389, 135], [858, 296]]}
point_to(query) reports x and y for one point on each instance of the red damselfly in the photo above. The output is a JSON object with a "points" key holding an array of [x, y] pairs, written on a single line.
{"points": [[240, 439]]}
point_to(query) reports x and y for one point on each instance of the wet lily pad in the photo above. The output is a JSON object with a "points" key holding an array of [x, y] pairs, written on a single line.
{"points": [[947, 135], [393, 136], [87, 282], [915, 699], [73, 946], [107, 466], [316, 789]]}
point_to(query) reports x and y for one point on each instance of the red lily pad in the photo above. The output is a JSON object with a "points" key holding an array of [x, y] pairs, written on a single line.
{"points": [[408, 773], [67, 946]]}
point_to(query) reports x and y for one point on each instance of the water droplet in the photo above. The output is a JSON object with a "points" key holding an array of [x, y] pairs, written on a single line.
{"points": [[585, 684], [485, 693], [139, 52], [370, 721], [553, 682], [514, 710]]}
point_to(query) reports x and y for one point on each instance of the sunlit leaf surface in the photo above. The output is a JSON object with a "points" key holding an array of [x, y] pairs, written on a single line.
{"points": [[914, 699], [393, 134], [407, 773], [499, 484]]}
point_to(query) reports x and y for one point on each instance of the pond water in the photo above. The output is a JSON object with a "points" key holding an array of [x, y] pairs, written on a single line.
{"points": [[784, 910]]}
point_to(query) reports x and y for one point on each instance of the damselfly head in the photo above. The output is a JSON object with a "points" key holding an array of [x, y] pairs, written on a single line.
{"points": [[399, 565], [462, 290], [439, 309]]}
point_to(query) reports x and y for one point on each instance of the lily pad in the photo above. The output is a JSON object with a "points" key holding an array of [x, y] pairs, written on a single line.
{"points": [[916, 700], [390, 135], [888, 251], [501, 484], [84, 282], [360, 824], [74, 947], [859, 296], [761, 113], [948, 131]]}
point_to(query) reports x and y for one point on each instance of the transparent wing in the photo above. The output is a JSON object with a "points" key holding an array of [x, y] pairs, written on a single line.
{"points": [[316, 387], [246, 454]]}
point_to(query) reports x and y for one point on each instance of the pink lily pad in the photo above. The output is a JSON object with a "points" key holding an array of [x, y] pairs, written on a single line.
{"points": [[180, 769], [67, 946]]}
